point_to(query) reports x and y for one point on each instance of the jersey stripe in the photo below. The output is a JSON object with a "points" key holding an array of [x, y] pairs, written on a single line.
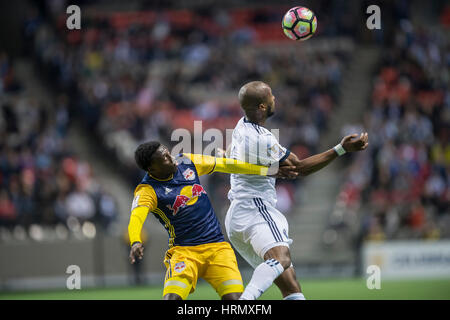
{"points": [[212, 170], [275, 235], [288, 152], [168, 272], [269, 220], [264, 208], [272, 262], [256, 127], [168, 224]]}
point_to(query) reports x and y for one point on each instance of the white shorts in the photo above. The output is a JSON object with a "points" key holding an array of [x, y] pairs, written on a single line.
{"points": [[254, 226]]}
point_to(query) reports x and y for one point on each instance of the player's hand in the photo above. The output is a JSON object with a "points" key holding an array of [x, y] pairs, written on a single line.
{"points": [[354, 143], [286, 172], [136, 251], [220, 153]]}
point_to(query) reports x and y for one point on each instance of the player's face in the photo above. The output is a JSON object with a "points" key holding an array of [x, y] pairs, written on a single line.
{"points": [[163, 163], [270, 105]]}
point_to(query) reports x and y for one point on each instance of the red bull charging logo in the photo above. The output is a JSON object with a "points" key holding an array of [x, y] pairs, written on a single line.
{"points": [[187, 197]]}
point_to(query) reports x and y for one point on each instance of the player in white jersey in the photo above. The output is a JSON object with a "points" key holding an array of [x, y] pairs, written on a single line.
{"points": [[257, 230], [258, 145]]}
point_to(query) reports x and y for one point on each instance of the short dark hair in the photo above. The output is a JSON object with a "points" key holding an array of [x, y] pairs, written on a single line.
{"points": [[144, 153]]}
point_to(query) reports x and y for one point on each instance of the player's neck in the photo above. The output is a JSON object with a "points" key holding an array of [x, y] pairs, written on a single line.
{"points": [[156, 177]]}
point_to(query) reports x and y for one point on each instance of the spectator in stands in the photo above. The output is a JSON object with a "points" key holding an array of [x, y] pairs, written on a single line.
{"points": [[139, 78], [41, 181], [408, 122]]}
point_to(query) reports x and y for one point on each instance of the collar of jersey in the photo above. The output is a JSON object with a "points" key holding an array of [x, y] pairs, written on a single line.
{"points": [[169, 178], [246, 121]]}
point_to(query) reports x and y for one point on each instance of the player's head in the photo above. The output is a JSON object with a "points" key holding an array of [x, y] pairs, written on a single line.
{"points": [[257, 100], [155, 158]]}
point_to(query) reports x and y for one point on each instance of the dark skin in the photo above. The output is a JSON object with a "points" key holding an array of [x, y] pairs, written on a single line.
{"points": [[163, 167], [258, 103]]}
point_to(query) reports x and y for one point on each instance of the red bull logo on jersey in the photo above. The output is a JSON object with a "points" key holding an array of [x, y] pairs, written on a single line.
{"points": [[189, 174], [179, 267], [187, 197]]}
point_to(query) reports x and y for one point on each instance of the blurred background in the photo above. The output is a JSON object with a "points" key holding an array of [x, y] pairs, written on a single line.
{"points": [[74, 104]]}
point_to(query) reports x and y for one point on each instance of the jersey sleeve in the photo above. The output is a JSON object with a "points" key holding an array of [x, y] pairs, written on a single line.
{"points": [[144, 200], [208, 164], [228, 165], [277, 152], [265, 150], [144, 196], [204, 164]]}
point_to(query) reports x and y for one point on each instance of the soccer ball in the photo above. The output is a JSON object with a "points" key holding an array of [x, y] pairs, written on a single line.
{"points": [[299, 23]]}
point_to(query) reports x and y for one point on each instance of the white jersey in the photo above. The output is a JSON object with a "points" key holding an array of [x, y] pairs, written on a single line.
{"points": [[257, 145]]}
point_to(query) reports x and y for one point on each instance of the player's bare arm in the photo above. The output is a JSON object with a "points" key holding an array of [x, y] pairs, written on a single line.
{"points": [[316, 162]]}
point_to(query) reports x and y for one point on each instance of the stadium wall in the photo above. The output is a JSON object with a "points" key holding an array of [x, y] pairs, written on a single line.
{"points": [[408, 259], [103, 261]]}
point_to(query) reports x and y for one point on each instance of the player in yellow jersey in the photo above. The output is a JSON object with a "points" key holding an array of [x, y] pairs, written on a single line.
{"points": [[172, 191]]}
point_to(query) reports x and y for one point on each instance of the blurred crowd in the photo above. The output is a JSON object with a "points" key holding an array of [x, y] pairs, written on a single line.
{"points": [[42, 182], [400, 187], [140, 75], [137, 76]]}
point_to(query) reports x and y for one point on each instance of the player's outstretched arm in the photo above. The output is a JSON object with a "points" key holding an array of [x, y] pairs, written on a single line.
{"points": [[228, 165], [207, 164], [316, 162]]}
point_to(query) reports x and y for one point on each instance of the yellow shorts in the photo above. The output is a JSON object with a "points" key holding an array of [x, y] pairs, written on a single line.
{"points": [[214, 262]]}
